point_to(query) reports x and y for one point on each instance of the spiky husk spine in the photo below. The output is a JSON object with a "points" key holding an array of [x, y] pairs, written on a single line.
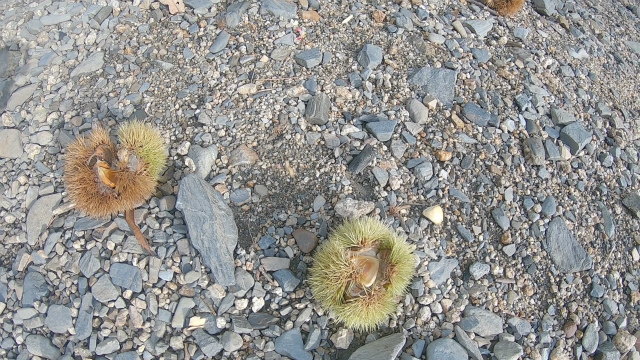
{"points": [[132, 186], [334, 270]]}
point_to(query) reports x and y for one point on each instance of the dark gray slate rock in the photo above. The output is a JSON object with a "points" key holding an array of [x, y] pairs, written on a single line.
{"points": [[103, 14], [203, 158], [107, 346], [534, 149], [545, 7], [549, 206], [317, 110], [632, 202], [477, 115], [208, 344], [185, 304], [362, 160], [382, 130], [35, 288], [10, 144], [244, 283], [481, 321], [565, 251], [439, 83], [88, 264], [287, 281], [234, 13], [507, 350], [88, 223], [309, 58], [220, 43], [575, 136], [417, 111], [561, 117], [126, 276], [261, 321], [58, 319], [501, 218], [386, 348], [553, 152], [103, 290], [446, 349], [472, 348], [424, 171], [479, 27], [290, 344], [370, 56], [441, 270], [212, 228], [90, 65], [520, 326], [39, 345], [84, 321], [39, 216], [279, 8]]}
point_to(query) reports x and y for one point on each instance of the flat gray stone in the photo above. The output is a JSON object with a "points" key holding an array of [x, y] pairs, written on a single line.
{"points": [[382, 130], [185, 304], [553, 152], [39, 345], [370, 56], [575, 136], [632, 202], [20, 96], [534, 150], [501, 218], [481, 322], [91, 64], [58, 319], [477, 115], [309, 58], [479, 27], [107, 346], [208, 344], [88, 264], [279, 8], [471, 346], [211, 225], [240, 325], [545, 7], [10, 144], [240, 196], [287, 281], [220, 42], [520, 326], [88, 223], [231, 341], [417, 111], [199, 4], [567, 254], [441, 270], [126, 276], [352, 209], [424, 171], [549, 206], [634, 46], [362, 160], [465, 233], [34, 288], [103, 290], [507, 350], [84, 321], [561, 117], [103, 14], [234, 13], [54, 19], [317, 110], [275, 263], [386, 348], [290, 344], [481, 55], [446, 349], [478, 270], [129, 355], [590, 338], [607, 351], [260, 321], [437, 82], [244, 282], [203, 158]]}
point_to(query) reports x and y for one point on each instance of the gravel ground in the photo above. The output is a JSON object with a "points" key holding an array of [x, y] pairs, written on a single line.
{"points": [[524, 130]]}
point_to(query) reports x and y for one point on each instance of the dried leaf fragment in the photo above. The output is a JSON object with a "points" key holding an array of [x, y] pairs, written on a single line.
{"points": [[175, 6]]}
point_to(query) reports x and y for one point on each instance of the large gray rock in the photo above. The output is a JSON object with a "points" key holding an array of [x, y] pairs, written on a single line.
{"points": [[575, 136], [290, 344], [545, 7], [309, 58], [386, 348], [182, 309], [103, 290], [209, 345], [561, 117], [126, 276], [468, 344], [382, 130], [441, 270], [212, 228], [58, 319], [90, 65], [370, 56], [479, 27], [220, 43], [417, 111], [35, 288], [10, 144], [39, 345], [477, 115], [203, 158], [438, 82], [84, 321], [20, 96], [632, 202], [279, 8], [234, 13], [565, 251], [317, 110], [507, 350], [481, 321], [590, 338], [40, 215], [446, 349]]}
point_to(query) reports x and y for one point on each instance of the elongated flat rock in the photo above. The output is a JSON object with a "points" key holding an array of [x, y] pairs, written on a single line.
{"points": [[211, 225], [567, 254]]}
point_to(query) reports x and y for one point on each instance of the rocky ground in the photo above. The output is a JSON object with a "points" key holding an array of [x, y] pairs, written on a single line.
{"points": [[524, 130]]}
